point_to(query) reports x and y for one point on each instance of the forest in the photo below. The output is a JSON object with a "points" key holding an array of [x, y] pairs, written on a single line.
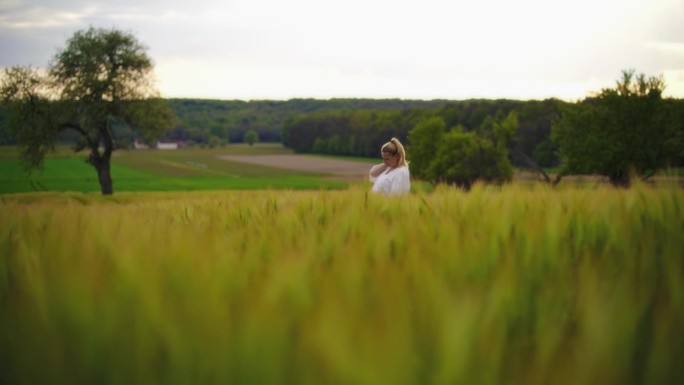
{"points": [[362, 132], [199, 120], [325, 126], [228, 120]]}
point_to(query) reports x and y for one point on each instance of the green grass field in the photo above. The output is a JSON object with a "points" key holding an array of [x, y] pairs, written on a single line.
{"points": [[181, 170], [512, 285]]}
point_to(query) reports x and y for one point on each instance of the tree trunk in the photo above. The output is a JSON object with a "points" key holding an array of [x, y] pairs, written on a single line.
{"points": [[105, 177], [102, 161], [531, 163], [620, 179]]}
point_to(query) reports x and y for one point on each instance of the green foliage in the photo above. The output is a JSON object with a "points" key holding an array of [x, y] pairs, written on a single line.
{"points": [[361, 132], [320, 146], [201, 118], [618, 132], [148, 118], [675, 143], [251, 137], [25, 96], [506, 285], [214, 141], [504, 129], [424, 139], [333, 145], [6, 137], [464, 158], [360, 124], [545, 153], [100, 81]]}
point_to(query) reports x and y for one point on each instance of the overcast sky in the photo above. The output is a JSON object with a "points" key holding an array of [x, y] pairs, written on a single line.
{"points": [[418, 49]]}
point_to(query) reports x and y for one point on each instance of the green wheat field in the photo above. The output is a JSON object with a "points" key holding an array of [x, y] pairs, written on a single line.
{"points": [[501, 285]]}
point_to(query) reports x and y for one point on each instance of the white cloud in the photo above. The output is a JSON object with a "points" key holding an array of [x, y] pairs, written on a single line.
{"points": [[41, 17], [668, 47]]}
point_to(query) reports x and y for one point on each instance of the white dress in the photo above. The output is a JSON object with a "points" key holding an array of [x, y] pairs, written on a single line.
{"points": [[396, 181]]}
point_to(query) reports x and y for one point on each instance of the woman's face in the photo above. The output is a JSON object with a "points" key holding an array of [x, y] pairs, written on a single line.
{"points": [[390, 160]]}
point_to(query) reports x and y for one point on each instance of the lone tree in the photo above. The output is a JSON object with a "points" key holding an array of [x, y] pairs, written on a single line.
{"points": [[101, 80], [619, 132], [462, 158], [250, 137]]}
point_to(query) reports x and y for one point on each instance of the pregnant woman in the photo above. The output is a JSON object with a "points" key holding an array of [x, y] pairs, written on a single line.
{"points": [[391, 177]]}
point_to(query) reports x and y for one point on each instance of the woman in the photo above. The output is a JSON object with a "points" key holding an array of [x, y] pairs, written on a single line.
{"points": [[391, 177]]}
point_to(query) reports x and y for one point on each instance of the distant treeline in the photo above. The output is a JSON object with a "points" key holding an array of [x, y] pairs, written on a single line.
{"points": [[229, 120], [338, 126], [362, 132], [200, 120], [355, 127]]}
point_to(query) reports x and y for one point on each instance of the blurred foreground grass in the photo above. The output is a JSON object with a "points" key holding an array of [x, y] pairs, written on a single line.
{"points": [[512, 285]]}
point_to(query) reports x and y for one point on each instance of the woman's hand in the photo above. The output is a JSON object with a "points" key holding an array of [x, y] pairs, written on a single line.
{"points": [[378, 169]]}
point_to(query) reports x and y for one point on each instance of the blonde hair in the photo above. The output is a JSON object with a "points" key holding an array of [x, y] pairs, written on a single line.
{"points": [[394, 147]]}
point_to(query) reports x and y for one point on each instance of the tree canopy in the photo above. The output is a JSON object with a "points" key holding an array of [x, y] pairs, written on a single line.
{"points": [[463, 158], [618, 132], [101, 81], [251, 137], [362, 132], [424, 139]]}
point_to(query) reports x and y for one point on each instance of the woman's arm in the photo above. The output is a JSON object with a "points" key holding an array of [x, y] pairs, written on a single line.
{"points": [[376, 170]]}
